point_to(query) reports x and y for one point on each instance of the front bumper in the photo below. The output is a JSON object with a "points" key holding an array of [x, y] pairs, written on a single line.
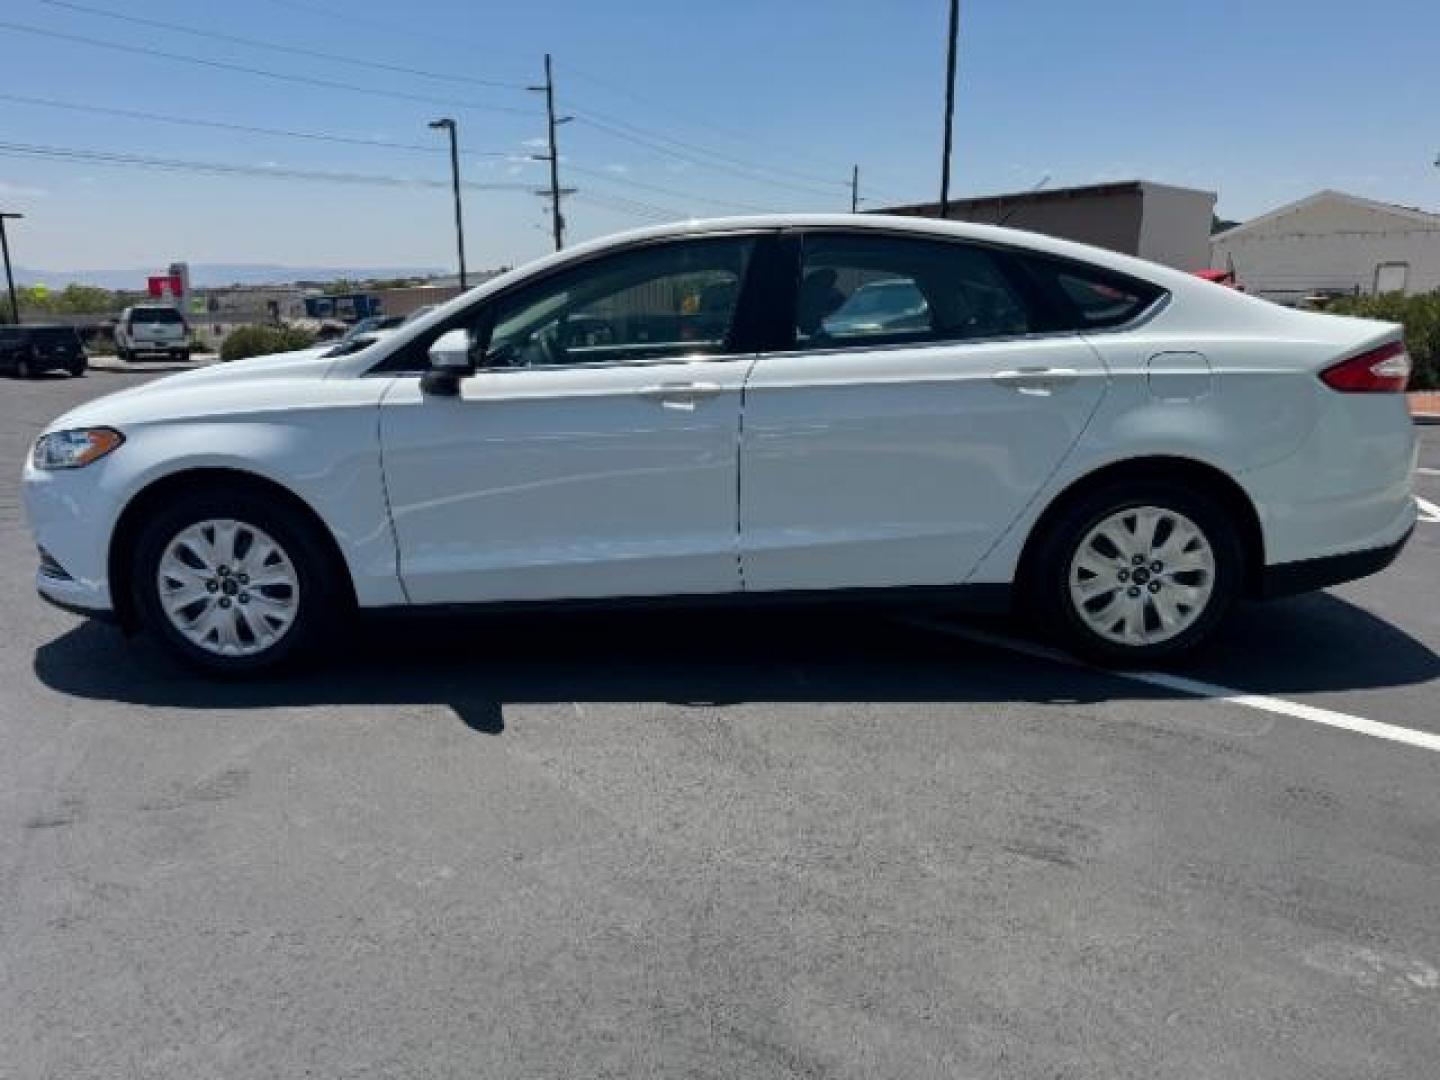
{"points": [[70, 513], [73, 597]]}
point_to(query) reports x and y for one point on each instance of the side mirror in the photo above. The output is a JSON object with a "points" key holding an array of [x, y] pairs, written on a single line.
{"points": [[449, 363]]}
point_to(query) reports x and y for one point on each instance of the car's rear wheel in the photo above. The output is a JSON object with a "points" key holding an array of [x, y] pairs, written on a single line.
{"points": [[1130, 574], [234, 584], [25, 368]]}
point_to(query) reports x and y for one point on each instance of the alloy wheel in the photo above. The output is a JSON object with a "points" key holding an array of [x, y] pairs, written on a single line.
{"points": [[228, 587], [1142, 576]]}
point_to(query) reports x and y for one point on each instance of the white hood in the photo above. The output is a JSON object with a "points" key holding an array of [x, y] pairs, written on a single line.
{"points": [[257, 383]]}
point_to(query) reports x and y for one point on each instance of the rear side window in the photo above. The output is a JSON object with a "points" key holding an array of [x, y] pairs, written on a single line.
{"points": [[155, 315], [1089, 297], [862, 290]]}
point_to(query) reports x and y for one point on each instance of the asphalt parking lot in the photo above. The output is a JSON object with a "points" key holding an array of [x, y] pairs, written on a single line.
{"points": [[779, 845]]}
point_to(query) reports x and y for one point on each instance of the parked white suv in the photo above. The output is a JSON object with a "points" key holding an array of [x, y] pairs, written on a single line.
{"points": [[1120, 448], [151, 330]]}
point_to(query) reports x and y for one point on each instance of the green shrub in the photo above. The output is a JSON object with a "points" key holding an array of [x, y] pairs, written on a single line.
{"points": [[263, 340], [1420, 316]]}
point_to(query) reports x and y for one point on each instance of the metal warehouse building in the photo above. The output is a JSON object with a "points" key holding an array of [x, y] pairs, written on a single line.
{"points": [[1167, 224], [1332, 243]]}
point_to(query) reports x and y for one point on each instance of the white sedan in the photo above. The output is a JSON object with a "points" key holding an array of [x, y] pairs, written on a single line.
{"points": [[693, 412]]}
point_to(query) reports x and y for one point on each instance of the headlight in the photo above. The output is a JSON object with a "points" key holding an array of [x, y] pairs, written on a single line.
{"points": [[74, 449]]}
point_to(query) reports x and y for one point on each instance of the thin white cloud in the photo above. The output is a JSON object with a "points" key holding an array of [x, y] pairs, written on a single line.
{"points": [[617, 169], [537, 143], [21, 191]]}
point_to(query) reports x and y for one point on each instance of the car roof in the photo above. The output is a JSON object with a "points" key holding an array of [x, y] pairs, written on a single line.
{"points": [[881, 223]]}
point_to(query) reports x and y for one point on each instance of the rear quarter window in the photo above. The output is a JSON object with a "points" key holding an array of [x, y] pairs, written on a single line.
{"points": [[1088, 297]]}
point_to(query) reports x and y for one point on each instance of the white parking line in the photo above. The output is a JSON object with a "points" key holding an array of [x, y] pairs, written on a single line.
{"points": [[1427, 472], [1410, 737], [1428, 510]]}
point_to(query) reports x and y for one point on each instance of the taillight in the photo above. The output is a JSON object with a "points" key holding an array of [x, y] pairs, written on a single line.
{"points": [[1380, 371]]}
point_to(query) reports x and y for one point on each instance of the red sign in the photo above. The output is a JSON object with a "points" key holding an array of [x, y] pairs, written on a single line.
{"points": [[165, 286]]}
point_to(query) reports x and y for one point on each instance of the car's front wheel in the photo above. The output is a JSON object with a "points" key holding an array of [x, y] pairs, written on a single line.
{"points": [[1135, 573], [233, 583]]}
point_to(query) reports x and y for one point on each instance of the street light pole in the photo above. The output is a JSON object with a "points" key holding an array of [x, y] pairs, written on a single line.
{"points": [[449, 127], [9, 275]]}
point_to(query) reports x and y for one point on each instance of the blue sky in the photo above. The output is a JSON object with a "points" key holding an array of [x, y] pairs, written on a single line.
{"points": [[759, 104]]}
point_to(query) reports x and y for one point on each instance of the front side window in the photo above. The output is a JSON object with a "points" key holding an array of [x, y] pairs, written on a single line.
{"points": [[653, 303], [868, 290]]}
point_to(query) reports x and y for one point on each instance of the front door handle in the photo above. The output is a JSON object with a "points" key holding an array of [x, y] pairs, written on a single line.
{"points": [[1036, 380], [680, 395]]}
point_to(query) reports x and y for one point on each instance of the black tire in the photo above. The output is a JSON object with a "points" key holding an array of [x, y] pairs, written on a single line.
{"points": [[1046, 584], [122, 354], [24, 368], [323, 597], [77, 371]]}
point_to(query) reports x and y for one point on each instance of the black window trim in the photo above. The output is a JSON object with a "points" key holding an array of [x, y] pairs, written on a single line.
{"points": [[743, 338], [1009, 258]]}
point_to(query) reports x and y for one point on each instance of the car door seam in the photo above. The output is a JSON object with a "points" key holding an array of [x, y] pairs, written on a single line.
{"points": [[385, 485], [1060, 461]]}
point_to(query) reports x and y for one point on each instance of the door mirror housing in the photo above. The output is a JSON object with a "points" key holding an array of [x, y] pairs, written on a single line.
{"points": [[450, 361]]}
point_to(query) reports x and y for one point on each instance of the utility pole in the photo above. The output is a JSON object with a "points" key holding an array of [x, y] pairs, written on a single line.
{"points": [[9, 275], [448, 125], [855, 189], [949, 107], [555, 191]]}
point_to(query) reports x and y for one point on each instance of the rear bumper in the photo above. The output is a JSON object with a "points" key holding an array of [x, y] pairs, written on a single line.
{"points": [[1307, 575]]}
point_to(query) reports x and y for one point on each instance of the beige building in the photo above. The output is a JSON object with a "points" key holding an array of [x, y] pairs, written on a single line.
{"points": [[1332, 243], [1169, 225]]}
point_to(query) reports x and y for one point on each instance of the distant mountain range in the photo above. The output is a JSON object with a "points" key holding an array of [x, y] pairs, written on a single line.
{"points": [[217, 275]]}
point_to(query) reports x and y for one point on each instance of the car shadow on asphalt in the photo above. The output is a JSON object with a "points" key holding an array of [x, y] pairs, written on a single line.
{"points": [[477, 665]]}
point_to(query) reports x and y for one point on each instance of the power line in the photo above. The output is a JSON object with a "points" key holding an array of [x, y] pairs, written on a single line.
{"points": [[331, 12], [274, 46], [222, 65], [695, 148], [744, 174], [644, 211], [734, 164], [729, 132], [249, 129], [614, 178], [219, 168], [390, 26]]}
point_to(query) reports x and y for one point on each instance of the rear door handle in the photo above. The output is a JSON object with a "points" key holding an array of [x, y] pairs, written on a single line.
{"points": [[1036, 380], [680, 395]]}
